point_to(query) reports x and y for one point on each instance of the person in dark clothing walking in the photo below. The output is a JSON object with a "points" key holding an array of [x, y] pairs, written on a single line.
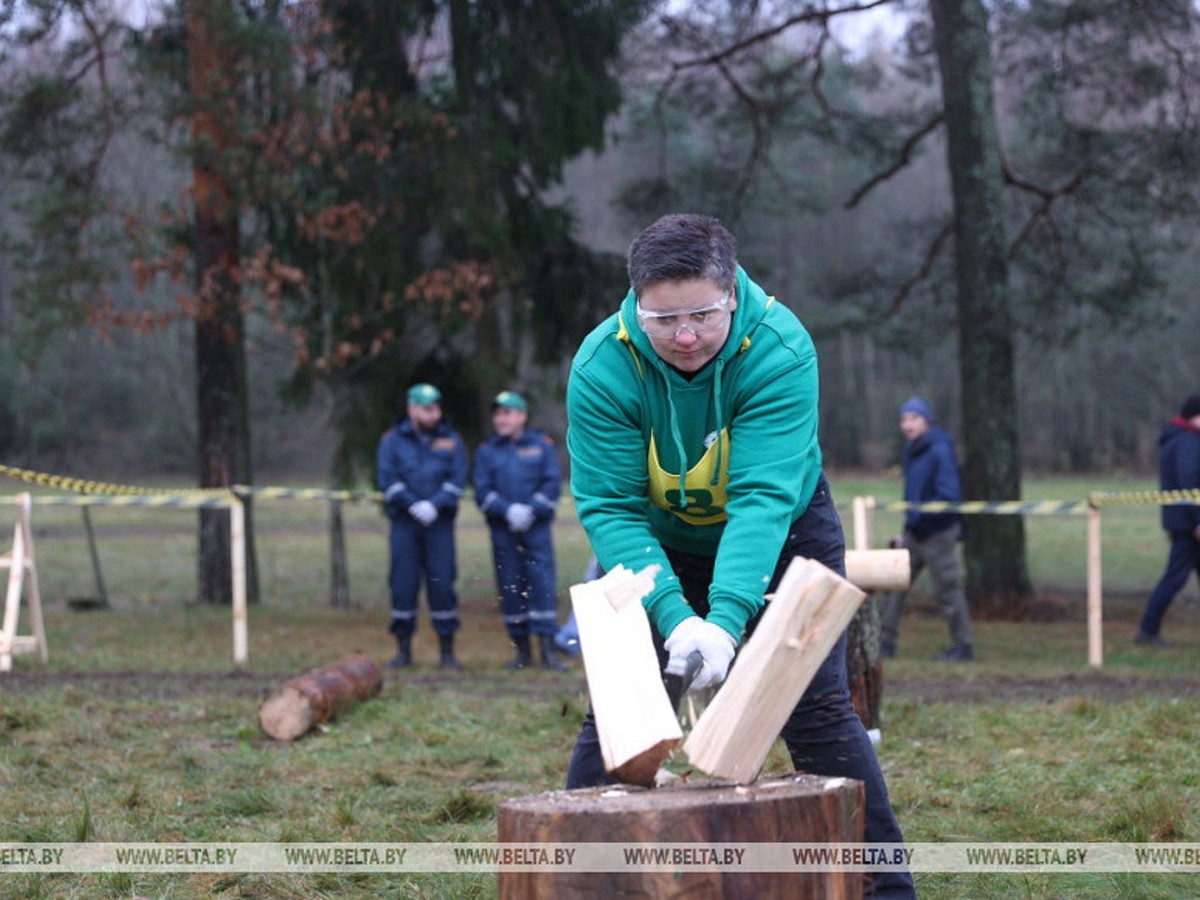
{"points": [[421, 468], [930, 473], [1178, 470], [517, 483]]}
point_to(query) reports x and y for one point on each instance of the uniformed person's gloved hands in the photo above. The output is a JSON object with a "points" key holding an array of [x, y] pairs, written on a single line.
{"points": [[519, 516], [715, 645], [424, 512]]}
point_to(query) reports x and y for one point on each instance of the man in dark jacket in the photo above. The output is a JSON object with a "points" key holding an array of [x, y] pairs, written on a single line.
{"points": [[1178, 470], [931, 473], [517, 483], [421, 467]]}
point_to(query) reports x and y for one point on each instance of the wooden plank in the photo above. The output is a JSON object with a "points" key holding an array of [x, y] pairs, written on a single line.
{"points": [[806, 616], [637, 727]]}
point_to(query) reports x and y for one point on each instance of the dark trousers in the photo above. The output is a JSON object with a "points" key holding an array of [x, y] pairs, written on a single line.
{"points": [[824, 735], [1182, 561], [416, 550], [525, 578]]}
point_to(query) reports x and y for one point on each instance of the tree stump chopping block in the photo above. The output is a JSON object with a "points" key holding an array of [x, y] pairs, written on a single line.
{"points": [[317, 696], [792, 808]]}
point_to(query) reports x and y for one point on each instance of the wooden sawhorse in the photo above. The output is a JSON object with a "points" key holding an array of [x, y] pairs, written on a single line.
{"points": [[20, 564]]}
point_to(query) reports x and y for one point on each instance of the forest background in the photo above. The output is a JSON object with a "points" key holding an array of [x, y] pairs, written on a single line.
{"points": [[233, 232]]}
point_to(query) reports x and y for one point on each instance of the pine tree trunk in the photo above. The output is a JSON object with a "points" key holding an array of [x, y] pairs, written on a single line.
{"points": [[997, 570]]}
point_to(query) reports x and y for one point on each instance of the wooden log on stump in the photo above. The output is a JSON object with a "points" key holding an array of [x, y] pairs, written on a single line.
{"points": [[317, 696], [807, 614], [636, 724], [791, 808]]}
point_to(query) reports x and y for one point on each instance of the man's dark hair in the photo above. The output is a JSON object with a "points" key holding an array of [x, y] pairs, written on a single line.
{"points": [[680, 247]]}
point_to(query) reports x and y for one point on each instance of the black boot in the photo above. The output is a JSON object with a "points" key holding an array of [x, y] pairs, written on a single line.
{"points": [[550, 658], [448, 660], [403, 657], [523, 659]]}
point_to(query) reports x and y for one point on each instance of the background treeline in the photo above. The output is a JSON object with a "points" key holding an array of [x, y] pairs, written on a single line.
{"points": [[98, 368]]}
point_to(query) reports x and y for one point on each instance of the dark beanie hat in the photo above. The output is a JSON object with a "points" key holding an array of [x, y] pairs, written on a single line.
{"points": [[1191, 407], [918, 405]]}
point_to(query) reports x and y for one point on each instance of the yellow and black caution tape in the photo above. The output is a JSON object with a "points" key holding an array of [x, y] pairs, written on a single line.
{"points": [[85, 486], [994, 507], [286, 493], [106, 494], [1102, 498], [209, 500]]}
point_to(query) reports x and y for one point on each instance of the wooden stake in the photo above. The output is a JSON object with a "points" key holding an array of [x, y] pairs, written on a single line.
{"points": [[808, 613], [1095, 617], [237, 558]]}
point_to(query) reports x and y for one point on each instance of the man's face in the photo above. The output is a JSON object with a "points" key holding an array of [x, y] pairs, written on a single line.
{"points": [[425, 418], [912, 425], [679, 337], [509, 422]]}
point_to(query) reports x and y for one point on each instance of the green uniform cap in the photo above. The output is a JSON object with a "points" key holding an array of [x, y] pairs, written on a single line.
{"points": [[424, 395], [511, 399]]}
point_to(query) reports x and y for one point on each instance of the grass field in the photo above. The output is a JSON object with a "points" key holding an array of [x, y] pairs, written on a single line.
{"points": [[140, 729]]}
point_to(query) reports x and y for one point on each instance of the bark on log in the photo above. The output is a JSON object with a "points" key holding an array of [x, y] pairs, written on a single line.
{"points": [[317, 696], [791, 808]]}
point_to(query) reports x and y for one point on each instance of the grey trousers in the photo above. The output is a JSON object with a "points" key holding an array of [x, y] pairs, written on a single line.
{"points": [[938, 553]]}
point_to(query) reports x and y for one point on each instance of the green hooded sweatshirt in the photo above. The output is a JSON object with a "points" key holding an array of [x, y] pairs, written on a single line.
{"points": [[648, 471]]}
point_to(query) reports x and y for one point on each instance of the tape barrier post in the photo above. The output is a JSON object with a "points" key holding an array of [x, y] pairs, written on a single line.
{"points": [[1095, 615], [237, 553], [862, 518]]}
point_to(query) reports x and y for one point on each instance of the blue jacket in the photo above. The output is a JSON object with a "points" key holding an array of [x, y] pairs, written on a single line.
{"points": [[522, 471], [1179, 470], [412, 466], [930, 473]]}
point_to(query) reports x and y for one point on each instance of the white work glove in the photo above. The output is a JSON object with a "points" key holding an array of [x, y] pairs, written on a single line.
{"points": [[424, 512], [519, 516], [714, 644]]}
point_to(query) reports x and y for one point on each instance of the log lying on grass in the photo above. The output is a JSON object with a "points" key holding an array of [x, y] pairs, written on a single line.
{"points": [[317, 696]]}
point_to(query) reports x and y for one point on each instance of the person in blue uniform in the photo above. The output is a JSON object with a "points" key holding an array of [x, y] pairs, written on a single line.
{"points": [[421, 468], [517, 481]]}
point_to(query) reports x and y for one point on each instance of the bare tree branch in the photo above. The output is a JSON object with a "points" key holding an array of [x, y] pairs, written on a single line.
{"points": [[906, 152], [932, 252], [822, 16]]}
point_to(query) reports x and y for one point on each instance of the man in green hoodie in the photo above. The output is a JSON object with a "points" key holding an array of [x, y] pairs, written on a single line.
{"points": [[692, 436]]}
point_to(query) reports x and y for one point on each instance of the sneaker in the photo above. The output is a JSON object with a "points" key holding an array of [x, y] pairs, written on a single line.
{"points": [[961, 653], [1152, 640]]}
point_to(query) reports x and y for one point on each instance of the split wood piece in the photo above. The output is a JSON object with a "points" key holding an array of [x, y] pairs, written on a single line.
{"points": [[879, 570], [792, 808], [317, 696], [636, 725], [808, 613]]}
